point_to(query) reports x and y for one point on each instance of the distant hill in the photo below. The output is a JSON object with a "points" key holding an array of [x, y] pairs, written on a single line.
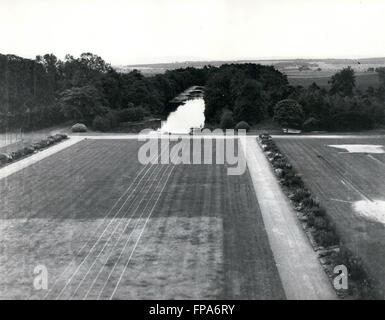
{"points": [[292, 67]]}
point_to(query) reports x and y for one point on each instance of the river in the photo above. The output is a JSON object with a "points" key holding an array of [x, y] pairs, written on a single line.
{"points": [[190, 114]]}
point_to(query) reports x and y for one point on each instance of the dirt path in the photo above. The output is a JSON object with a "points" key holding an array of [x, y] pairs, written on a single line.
{"points": [[301, 273]]}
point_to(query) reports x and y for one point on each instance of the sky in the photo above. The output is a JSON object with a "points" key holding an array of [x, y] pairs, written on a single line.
{"points": [[150, 31]]}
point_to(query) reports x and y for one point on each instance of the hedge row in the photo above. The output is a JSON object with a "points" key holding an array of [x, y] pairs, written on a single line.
{"points": [[112, 118], [319, 227], [6, 158]]}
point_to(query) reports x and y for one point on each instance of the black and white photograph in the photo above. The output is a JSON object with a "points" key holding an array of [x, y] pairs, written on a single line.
{"points": [[209, 152]]}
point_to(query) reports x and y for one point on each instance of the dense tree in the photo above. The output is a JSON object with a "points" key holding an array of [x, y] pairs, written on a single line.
{"points": [[41, 92], [249, 90], [248, 105], [343, 82], [289, 114], [30, 90], [227, 120], [81, 103]]}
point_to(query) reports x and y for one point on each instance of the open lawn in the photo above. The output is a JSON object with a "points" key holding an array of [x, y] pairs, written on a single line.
{"points": [[106, 226], [347, 174]]}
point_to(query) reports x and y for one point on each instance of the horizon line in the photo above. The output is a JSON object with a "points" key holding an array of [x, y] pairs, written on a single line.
{"points": [[246, 59]]}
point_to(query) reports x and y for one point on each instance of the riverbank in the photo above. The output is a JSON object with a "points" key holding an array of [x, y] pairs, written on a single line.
{"points": [[190, 93]]}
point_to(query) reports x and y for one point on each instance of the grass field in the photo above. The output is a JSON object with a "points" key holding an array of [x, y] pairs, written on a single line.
{"points": [[350, 185], [106, 226], [363, 80]]}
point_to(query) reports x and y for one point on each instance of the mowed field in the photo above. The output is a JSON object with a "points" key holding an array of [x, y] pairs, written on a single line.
{"points": [[106, 226], [351, 185]]}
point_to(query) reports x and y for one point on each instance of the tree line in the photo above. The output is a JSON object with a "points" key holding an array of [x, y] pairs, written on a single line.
{"points": [[243, 92], [251, 93], [47, 90]]}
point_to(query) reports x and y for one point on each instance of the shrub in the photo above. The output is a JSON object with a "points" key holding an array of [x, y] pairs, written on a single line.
{"points": [[278, 157], [242, 125], [227, 121], [79, 127], [36, 146], [320, 223], [50, 140], [101, 123], [45, 143], [326, 238], [310, 203], [293, 180], [5, 158], [28, 150], [60, 136], [300, 194], [131, 114], [280, 164], [318, 211], [17, 154]]}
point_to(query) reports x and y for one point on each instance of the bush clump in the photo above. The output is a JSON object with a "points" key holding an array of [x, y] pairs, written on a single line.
{"points": [[131, 114], [242, 125], [79, 127], [300, 194], [5, 158], [326, 238]]}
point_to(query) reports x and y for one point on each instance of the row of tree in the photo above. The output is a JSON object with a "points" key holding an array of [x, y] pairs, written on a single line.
{"points": [[342, 107], [45, 91], [249, 92]]}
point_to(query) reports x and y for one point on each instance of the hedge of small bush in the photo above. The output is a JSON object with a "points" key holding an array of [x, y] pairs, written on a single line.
{"points": [[317, 223], [6, 158]]}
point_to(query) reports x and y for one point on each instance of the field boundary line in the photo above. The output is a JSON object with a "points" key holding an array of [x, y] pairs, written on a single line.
{"points": [[140, 235], [376, 160], [152, 174], [344, 180], [105, 229], [127, 241], [104, 218], [300, 271], [34, 158]]}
